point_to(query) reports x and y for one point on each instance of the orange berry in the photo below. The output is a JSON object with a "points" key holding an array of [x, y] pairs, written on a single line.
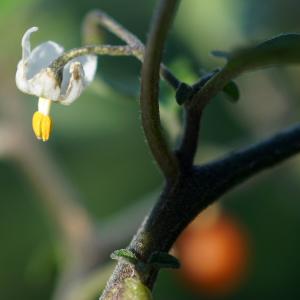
{"points": [[213, 257]]}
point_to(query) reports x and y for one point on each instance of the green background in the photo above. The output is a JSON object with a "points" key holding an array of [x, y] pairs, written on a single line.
{"points": [[99, 144]]}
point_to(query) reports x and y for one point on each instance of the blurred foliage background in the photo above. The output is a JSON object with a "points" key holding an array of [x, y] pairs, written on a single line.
{"points": [[99, 144]]}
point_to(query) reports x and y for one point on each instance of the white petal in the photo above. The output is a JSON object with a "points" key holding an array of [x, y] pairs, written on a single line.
{"points": [[26, 49], [44, 84], [33, 75], [89, 63], [42, 56], [21, 80], [75, 84]]}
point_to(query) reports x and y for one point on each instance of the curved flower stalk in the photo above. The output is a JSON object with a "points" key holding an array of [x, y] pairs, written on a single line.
{"points": [[35, 77]]}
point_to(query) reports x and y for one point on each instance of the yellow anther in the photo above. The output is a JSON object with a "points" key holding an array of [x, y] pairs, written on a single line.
{"points": [[42, 126]]}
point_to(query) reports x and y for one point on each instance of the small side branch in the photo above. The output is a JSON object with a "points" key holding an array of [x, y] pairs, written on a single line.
{"points": [[241, 165], [211, 88], [134, 46], [178, 206], [150, 89], [96, 50], [211, 181], [99, 17], [188, 146]]}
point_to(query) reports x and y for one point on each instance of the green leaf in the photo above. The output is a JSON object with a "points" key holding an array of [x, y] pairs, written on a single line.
{"points": [[232, 91], [282, 49], [163, 260], [124, 254]]}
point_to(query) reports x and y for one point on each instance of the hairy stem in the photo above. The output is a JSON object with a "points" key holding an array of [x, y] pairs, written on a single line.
{"points": [[101, 18], [134, 46], [180, 203], [96, 50]]}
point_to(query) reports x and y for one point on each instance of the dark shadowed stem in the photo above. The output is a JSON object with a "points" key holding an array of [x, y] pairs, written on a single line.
{"points": [[240, 165], [169, 77], [178, 205], [212, 88], [150, 89], [189, 143], [207, 183]]}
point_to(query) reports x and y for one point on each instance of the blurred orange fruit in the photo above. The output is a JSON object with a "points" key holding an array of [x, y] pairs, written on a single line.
{"points": [[213, 251]]}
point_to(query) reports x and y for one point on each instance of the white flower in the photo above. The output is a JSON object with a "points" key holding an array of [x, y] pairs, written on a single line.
{"points": [[35, 77]]}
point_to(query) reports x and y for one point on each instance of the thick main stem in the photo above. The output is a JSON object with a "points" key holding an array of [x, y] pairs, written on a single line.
{"points": [[180, 203]]}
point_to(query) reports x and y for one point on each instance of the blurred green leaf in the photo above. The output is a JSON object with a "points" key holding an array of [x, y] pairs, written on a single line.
{"points": [[282, 49], [232, 91]]}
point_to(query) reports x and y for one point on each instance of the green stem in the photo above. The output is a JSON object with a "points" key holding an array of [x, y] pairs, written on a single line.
{"points": [[150, 89], [67, 56], [134, 46]]}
